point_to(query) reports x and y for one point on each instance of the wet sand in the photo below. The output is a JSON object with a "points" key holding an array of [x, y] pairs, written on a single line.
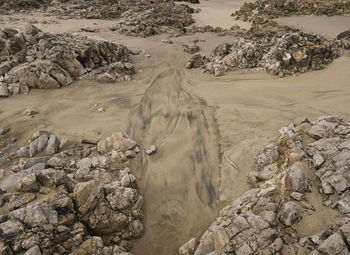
{"points": [[197, 118]]}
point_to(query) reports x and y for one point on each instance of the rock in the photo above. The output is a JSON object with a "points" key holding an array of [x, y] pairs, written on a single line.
{"points": [[136, 228], [195, 61], [297, 178], [333, 245], [121, 198], [151, 150], [9, 149], [88, 29], [33, 251], [189, 247], [297, 196], [105, 78], [56, 162], [4, 162], [86, 195], [343, 35], [30, 111], [100, 109], [289, 214], [4, 92], [11, 228], [318, 160], [59, 67], [191, 47], [17, 201]]}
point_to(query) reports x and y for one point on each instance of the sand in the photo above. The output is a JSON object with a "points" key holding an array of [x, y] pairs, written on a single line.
{"points": [[197, 118]]}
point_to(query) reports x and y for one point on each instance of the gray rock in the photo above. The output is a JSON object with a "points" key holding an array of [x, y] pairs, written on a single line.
{"points": [[30, 162], [52, 145], [121, 198], [345, 230], [9, 149], [10, 228], [4, 162], [33, 251], [343, 205], [318, 160], [297, 177], [56, 162], [333, 245], [18, 200], [86, 195], [23, 152], [36, 214], [290, 213]]}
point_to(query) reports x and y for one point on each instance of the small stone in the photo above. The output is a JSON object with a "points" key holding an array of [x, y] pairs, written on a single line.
{"points": [[151, 150], [30, 111], [56, 162], [318, 160], [333, 245], [297, 196], [100, 109]]}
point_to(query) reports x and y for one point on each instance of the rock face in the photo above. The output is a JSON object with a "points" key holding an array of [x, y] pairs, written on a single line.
{"points": [[265, 219], [34, 59], [68, 203], [270, 9], [277, 49]]}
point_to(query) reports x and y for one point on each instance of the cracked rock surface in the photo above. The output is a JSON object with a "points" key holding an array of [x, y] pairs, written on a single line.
{"points": [[296, 178], [64, 198]]}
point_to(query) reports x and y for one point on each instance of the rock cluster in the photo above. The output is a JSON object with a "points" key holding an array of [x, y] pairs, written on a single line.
{"points": [[277, 49], [57, 197], [146, 18], [34, 59], [269, 9], [308, 160]]}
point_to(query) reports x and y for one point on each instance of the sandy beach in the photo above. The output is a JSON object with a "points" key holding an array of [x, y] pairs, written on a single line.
{"points": [[196, 119]]}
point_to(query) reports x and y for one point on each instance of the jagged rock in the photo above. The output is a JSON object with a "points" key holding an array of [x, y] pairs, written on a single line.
{"points": [[289, 213], [191, 47], [4, 162], [189, 247], [118, 141], [9, 149], [269, 9], [54, 61], [36, 214], [17, 201], [33, 251], [333, 245], [56, 162], [10, 228], [86, 194], [195, 61]]}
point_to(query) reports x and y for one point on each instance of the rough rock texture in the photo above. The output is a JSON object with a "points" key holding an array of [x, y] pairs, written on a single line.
{"points": [[146, 18], [34, 59], [277, 49], [267, 219], [75, 201], [270, 9]]}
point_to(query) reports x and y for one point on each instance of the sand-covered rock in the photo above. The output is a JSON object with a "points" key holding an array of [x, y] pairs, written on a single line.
{"points": [[277, 49], [268, 219], [67, 203], [270, 9], [34, 59]]}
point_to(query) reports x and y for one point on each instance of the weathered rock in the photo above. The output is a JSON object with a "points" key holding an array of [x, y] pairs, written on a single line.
{"points": [[189, 247], [297, 178], [151, 150], [290, 213], [54, 61], [191, 47], [10, 228], [334, 245], [33, 251], [4, 162]]}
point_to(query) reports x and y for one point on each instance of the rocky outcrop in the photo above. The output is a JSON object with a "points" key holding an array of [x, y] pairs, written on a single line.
{"points": [[267, 219], [34, 59], [269, 9], [277, 49], [146, 18], [61, 201]]}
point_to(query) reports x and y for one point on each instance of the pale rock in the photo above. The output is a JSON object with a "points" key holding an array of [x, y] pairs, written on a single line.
{"points": [[289, 214], [30, 111]]}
